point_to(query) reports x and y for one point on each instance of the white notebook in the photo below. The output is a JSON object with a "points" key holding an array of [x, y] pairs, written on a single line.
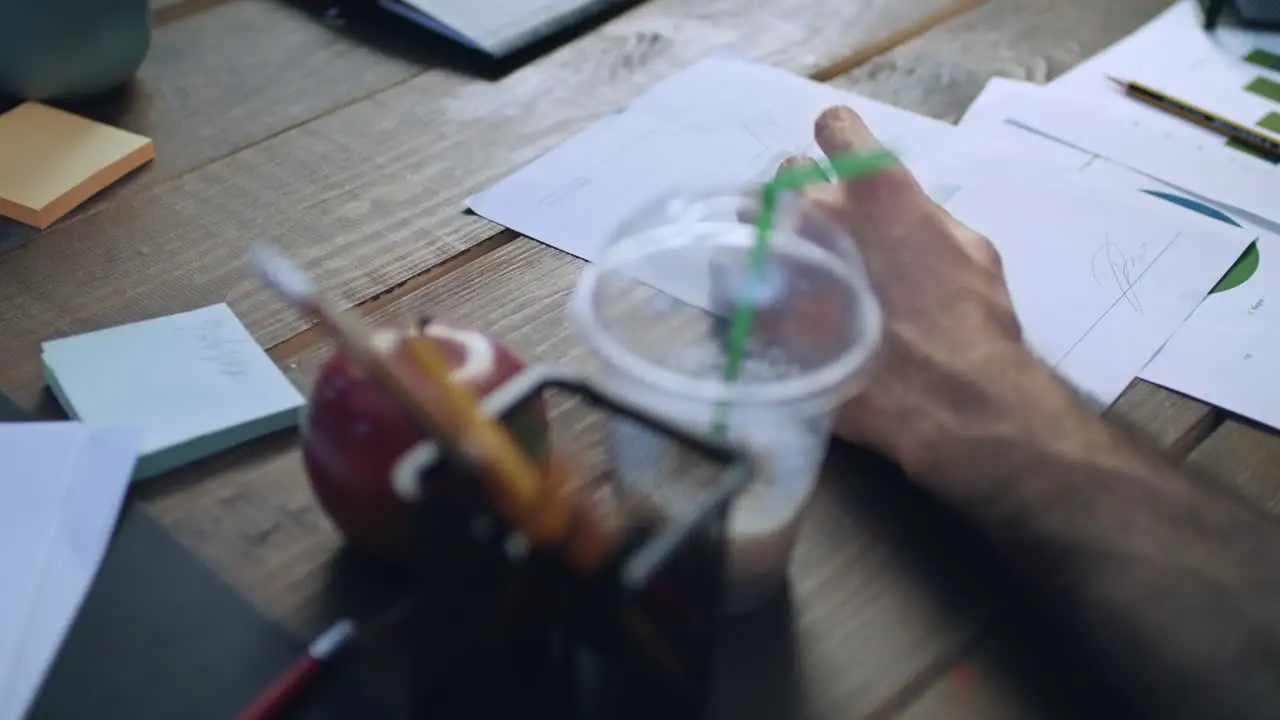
{"points": [[61, 488]]}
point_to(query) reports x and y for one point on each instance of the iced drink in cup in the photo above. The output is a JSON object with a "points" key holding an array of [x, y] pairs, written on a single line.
{"points": [[656, 312]]}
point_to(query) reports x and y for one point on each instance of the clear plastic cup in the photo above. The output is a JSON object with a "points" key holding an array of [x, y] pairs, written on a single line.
{"points": [[655, 312]]}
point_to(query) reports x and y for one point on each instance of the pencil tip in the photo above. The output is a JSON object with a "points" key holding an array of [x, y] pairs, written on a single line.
{"points": [[1118, 82]]}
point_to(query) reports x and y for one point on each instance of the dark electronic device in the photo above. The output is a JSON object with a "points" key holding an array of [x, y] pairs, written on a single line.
{"points": [[508, 28], [1260, 14], [505, 631]]}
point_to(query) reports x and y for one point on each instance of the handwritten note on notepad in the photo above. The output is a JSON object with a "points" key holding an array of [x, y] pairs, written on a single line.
{"points": [[60, 494], [196, 383], [52, 160]]}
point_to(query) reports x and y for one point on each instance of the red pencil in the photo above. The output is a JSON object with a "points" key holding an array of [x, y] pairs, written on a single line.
{"points": [[293, 681]]}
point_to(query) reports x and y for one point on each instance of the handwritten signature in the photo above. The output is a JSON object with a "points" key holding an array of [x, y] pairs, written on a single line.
{"points": [[218, 351], [1114, 269]]}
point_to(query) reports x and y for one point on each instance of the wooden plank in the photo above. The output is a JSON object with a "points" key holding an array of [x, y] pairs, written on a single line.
{"points": [[241, 71], [943, 71], [1173, 421], [371, 195], [229, 75], [1016, 670], [883, 585], [1244, 458]]}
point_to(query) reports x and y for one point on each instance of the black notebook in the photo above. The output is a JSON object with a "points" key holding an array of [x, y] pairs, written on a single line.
{"points": [[161, 636], [499, 28]]}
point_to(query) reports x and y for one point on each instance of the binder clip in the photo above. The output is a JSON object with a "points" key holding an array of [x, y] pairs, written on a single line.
{"points": [[1255, 14], [506, 630]]}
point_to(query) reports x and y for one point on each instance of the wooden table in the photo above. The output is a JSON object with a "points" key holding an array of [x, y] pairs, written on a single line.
{"points": [[353, 143]]}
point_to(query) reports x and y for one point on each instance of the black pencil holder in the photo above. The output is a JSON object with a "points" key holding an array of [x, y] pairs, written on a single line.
{"points": [[507, 630]]}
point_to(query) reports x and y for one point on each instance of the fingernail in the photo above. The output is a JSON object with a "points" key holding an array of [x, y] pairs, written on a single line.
{"points": [[841, 129], [795, 161]]}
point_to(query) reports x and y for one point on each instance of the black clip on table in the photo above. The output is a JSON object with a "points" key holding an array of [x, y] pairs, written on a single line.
{"points": [[1259, 14], [505, 632]]}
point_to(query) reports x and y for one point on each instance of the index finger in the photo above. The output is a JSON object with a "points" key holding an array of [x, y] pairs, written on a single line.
{"points": [[840, 131]]}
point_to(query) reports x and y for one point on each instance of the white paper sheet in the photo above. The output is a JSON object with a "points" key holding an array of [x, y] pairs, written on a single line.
{"points": [[990, 115], [727, 121], [724, 121], [1085, 110], [60, 495], [1219, 354], [39, 458], [1100, 277], [1174, 54], [1150, 145], [1225, 353]]}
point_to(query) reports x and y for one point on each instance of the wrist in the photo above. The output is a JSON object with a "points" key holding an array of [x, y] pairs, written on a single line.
{"points": [[997, 423]]}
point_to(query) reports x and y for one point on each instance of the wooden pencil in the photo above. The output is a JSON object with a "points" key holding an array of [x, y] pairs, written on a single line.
{"points": [[1255, 140]]}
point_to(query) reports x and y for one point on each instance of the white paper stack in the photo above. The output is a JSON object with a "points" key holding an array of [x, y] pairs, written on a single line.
{"points": [[1223, 353], [1102, 268], [61, 488]]}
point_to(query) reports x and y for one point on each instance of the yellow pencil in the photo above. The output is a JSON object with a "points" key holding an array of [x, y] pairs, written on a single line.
{"points": [[1258, 141]]}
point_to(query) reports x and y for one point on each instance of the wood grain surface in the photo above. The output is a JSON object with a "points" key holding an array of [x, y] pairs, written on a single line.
{"points": [[1001, 675], [371, 195], [354, 148], [1245, 459], [240, 72], [940, 73], [234, 72]]}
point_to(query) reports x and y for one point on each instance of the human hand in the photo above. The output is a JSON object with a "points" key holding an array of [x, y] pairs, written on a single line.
{"points": [[952, 352]]}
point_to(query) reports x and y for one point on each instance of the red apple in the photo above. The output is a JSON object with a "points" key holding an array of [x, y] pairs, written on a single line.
{"points": [[353, 436]]}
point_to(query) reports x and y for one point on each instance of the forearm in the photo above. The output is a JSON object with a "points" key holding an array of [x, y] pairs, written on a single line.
{"points": [[1171, 588]]}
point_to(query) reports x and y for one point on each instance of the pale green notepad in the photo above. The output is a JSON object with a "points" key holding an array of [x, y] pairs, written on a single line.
{"points": [[195, 383]]}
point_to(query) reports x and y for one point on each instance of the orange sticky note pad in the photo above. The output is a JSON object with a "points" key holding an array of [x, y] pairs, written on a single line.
{"points": [[52, 160]]}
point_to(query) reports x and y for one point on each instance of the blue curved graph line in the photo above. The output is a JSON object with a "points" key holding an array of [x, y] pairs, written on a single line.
{"points": [[1244, 267], [1190, 204]]}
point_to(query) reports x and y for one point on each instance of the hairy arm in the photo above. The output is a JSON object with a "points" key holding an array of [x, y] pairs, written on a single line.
{"points": [[1169, 587]]}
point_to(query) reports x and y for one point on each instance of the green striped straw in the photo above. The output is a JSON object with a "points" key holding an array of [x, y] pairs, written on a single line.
{"points": [[845, 167]]}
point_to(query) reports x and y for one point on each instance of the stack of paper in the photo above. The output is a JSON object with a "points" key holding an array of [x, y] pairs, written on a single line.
{"points": [[196, 383], [60, 494], [1221, 354], [1101, 272]]}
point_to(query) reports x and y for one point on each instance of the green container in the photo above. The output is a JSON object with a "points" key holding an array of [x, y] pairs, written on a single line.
{"points": [[63, 49]]}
